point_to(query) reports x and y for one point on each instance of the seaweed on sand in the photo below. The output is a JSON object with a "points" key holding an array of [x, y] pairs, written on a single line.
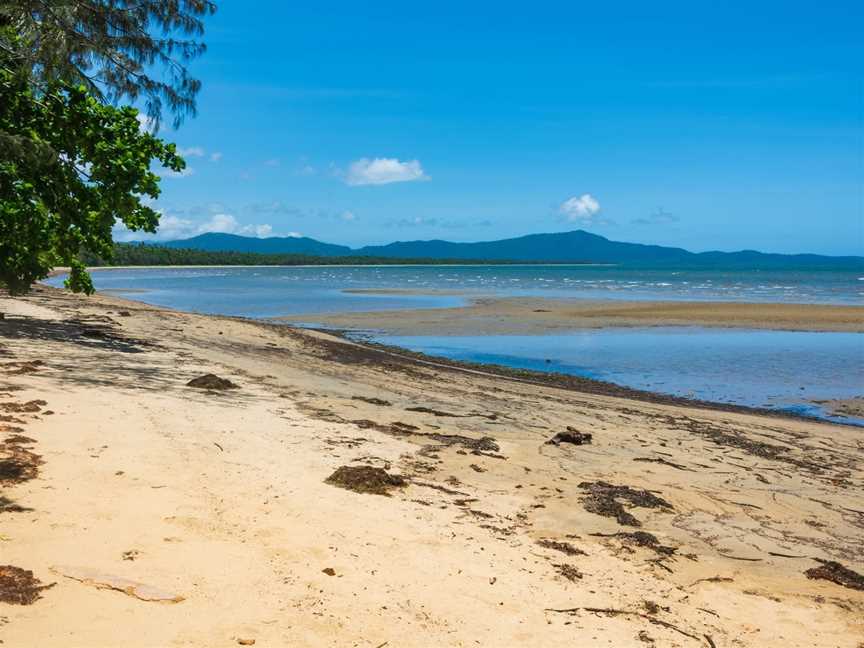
{"points": [[640, 539], [213, 382], [602, 499], [563, 547], [19, 586], [836, 573], [365, 479]]}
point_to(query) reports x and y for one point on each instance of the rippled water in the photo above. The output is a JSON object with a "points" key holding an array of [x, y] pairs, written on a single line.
{"points": [[265, 292]]}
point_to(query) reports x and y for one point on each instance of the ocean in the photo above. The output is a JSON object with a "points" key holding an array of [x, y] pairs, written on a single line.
{"points": [[775, 369]]}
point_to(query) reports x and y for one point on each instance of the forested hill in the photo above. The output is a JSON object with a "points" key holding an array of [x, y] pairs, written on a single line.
{"points": [[562, 247]]}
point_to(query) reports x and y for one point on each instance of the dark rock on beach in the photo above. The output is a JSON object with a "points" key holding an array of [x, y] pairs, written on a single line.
{"points": [[365, 479], [572, 435], [213, 382]]}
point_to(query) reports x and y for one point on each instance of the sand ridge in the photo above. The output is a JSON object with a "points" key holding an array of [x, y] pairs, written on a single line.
{"points": [[532, 315], [674, 525]]}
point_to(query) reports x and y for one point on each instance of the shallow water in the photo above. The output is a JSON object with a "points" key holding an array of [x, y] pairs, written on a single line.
{"points": [[268, 292], [775, 369], [783, 370]]}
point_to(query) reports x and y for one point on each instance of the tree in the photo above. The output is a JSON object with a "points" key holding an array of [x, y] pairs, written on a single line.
{"points": [[72, 164], [70, 167], [120, 50]]}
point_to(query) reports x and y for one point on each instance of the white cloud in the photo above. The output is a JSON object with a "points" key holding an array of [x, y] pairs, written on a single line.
{"points": [[383, 171], [192, 151], [262, 231], [580, 208], [273, 162], [348, 215], [173, 227], [145, 123], [170, 173], [215, 156], [295, 235]]}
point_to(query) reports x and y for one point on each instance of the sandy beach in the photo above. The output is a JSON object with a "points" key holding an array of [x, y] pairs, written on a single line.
{"points": [[333, 494], [528, 316]]}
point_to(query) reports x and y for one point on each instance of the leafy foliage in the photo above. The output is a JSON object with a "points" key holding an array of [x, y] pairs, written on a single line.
{"points": [[117, 49], [70, 167]]}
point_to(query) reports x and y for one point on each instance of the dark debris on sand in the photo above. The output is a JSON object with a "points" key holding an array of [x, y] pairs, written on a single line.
{"points": [[572, 435], [30, 407], [482, 445], [365, 479], [443, 414], [563, 547], [19, 586], [602, 499], [640, 539], [836, 573], [18, 464], [568, 571], [372, 401], [213, 382]]}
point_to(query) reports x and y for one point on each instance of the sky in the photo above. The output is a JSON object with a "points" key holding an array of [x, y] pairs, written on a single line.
{"points": [[706, 125]]}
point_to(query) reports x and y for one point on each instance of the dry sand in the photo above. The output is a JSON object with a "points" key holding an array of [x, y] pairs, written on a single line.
{"points": [[490, 315], [174, 516]]}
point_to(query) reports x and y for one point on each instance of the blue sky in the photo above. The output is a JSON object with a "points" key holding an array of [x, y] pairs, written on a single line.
{"points": [[708, 125]]}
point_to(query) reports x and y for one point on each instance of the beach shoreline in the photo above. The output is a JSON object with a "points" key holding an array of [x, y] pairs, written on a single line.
{"points": [[495, 529]]}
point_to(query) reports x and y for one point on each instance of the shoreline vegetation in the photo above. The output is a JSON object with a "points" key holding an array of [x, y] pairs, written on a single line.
{"points": [[147, 255], [334, 482]]}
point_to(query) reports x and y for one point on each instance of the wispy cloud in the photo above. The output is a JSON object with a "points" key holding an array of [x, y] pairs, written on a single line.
{"points": [[275, 207], [170, 173], [432, 222], [215, 156], [192, 151], [280, 208], [172, 227], [657, 217], [580, 209], [380, 171]]}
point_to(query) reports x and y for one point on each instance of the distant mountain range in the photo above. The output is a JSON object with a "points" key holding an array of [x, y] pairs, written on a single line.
{"points": [[563, 247]]}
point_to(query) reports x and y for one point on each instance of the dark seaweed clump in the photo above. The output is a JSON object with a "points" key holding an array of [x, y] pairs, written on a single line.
{"points": [[365, 479], [602, 499], [563, 547], [836, 573], [212, 381], [19, 586]]}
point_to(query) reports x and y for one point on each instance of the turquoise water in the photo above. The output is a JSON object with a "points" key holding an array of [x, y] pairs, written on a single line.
{"points": [[775, 369]]}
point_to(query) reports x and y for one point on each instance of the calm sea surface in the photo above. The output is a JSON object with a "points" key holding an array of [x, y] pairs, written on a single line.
{"points": [[764, 368]]}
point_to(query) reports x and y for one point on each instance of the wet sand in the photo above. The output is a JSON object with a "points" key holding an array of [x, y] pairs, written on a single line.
{"points": [[526, 316], [349, 495], [845, 406]]}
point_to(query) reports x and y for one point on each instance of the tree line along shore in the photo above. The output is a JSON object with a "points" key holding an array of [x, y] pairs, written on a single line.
{"points": [[144, 254]]}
